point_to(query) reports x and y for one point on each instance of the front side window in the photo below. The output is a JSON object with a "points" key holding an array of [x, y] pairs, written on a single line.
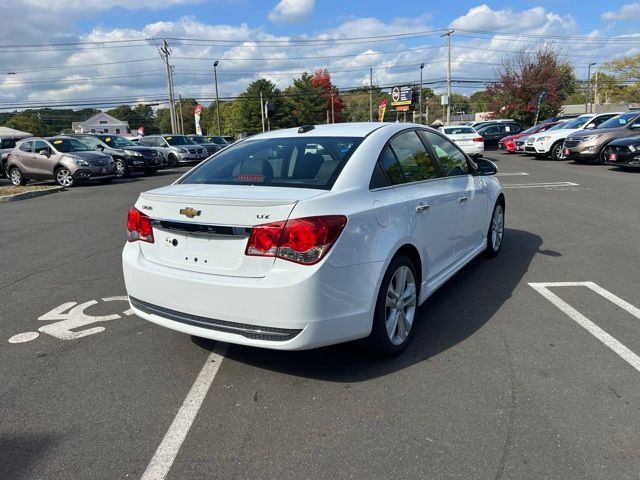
{"points": [[308, 162], [413, 157], [453, 161], [39, 146], [117, 142]]}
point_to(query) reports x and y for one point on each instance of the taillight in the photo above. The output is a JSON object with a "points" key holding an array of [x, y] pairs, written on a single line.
{"points": [[478, 139], [139, 227], [301, 240]]}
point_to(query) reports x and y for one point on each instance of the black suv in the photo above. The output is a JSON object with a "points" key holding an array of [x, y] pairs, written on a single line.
{"points": [[494, 132], [129, 156]]}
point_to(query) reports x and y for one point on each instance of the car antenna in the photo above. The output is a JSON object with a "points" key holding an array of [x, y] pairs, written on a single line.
{"points": [[305, 128]]}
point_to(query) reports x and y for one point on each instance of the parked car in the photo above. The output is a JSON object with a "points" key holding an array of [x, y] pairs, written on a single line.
{"points": [[508, 143], [589, 146], [129, 156], [494, 132], [550, 143], [243, 135], [482, 123], [6, 145], [466, 138], [65, 159], [561, 117], [219, 141], [333, 232], [211, 147], [175, 149], [228, 138], [623, 153]]}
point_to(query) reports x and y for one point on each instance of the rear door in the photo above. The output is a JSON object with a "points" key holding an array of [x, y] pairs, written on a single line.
{"points": [[43, 163], [428, 198], [469, 191], [24, 159]]}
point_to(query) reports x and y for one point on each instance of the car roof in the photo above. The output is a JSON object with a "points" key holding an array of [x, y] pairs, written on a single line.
{"points": [[356, 129]]}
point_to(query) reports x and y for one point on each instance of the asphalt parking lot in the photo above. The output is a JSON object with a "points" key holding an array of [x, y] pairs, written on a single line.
{"points": [[523, 367]]}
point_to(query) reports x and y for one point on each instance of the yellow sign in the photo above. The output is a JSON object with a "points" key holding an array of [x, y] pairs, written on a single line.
{"points": [[56, 142]]}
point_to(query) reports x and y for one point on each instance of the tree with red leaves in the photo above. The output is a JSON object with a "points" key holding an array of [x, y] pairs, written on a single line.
{"points": [[523, 77], [322, 80]]}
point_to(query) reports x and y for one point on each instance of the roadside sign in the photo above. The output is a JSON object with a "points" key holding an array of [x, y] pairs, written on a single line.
{"points": [[401, 95]]}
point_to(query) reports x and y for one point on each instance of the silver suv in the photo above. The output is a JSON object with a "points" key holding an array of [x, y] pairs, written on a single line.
{"points": [[64, 159], [176, 149]]}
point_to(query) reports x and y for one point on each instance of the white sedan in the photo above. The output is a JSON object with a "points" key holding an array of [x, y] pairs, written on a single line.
{"points": [[305, 237], [467, 138]]}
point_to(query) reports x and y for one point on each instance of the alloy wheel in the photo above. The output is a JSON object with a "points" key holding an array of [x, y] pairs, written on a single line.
{"points": [[558, 152], [400, 305], [120, 168], [64, 177], [497, 227], [16, 177]]}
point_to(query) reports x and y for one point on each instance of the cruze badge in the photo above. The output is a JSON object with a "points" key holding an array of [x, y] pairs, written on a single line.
{"points": [[190, 212]]}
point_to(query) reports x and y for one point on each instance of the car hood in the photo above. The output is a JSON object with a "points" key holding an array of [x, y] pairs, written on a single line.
{"points": [[596, 131], [89, 156], [626, 141], [515, 136], [562, 133]]}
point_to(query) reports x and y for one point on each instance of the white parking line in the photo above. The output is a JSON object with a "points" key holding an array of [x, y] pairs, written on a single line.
{"points": [[625, 353], [541, 185], [511, 174], [173, 439]]}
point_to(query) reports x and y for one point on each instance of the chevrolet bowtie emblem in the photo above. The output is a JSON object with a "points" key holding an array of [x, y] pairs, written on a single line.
{"points": [[190, 212]]}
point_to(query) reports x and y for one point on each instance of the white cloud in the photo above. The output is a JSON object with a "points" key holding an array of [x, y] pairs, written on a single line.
{"points": [[630, 11], [291, 11]]}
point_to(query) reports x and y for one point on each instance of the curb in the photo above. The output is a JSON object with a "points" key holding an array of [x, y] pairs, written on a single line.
{"points": [[25, 195]]}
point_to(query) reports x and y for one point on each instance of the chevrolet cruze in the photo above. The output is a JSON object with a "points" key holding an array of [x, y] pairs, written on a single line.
{"points": [[305, 237]]}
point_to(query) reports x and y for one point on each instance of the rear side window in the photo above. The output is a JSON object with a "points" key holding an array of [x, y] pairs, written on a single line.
{"points": [[413, 157], [8, 143], [307, 162], [26, 146]]}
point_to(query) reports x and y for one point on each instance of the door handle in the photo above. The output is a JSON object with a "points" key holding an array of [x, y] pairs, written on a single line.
{"points": [[422, 208], [461, 200]]}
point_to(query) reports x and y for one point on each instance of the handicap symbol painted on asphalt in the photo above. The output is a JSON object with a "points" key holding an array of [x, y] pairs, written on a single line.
{"points": [[71, 318]]}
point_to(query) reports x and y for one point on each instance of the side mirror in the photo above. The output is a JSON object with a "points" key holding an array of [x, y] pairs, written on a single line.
{"points": [[635, 126], [590, 126], [486, 167], [44, 152]]}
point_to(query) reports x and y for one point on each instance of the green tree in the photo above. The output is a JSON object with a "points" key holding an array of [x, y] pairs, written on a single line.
{"points": [[305, 101], [356, 104], [479, 101], [524, 76], [625, 71], [246, 113], [28, 122], [163, 120]]}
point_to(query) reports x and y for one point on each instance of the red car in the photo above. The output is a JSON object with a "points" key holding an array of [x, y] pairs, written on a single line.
{"points": [[509, 143]]}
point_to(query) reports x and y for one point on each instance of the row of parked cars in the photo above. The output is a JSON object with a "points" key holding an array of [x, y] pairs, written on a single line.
{"points": [[71, 158], [474, 136], [607, 138]]}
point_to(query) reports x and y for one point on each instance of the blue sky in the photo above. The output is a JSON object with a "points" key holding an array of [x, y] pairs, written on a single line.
{"points": [[260, 39]]}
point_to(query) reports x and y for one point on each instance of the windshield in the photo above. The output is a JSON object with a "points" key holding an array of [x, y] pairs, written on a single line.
{"points": [[619, 121], [198, 139], [458, 130], [116, 142], [310, 162], [577, 122], [66, 145], [179, 140], [217, 140]]}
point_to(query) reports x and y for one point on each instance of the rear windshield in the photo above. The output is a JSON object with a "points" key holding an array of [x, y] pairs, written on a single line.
{"points": [[66, 145], [458, 130], [309, 162], [619, 121], [8, 142]]}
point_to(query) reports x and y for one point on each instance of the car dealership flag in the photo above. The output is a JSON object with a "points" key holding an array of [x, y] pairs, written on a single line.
{"points": [[382, 108], [196, 112]]}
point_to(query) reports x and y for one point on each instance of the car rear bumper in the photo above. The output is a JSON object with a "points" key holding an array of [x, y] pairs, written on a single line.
{"points": [[294, 307], [473, 150]]}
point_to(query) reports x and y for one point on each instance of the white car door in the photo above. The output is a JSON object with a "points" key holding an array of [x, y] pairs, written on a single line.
{"points": [[470, 192], [429, 202]]}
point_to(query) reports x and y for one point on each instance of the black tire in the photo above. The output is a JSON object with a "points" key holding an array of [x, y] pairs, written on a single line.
{"points": [[16, 177], [493, 247], [122, 170], [379, 341], [557, 151], [601, 160], [151, 171], [172, 160]]}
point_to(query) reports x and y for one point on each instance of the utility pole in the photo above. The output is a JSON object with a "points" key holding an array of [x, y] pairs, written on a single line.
{"points": [[588, 92], [215, 75], [173, 96], [448, 35], [333, 117], [595, 95], [420, 95], [370, 94], [181, 118], [262, 111], [164, 54]]}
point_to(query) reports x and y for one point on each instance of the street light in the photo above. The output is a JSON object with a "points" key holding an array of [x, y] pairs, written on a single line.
{"points": [[588, 92], [420, 95], [215, 75]]}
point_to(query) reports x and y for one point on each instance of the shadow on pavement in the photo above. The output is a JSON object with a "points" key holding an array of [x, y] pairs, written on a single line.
{"points": [[456, 311], [18, 452]]}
